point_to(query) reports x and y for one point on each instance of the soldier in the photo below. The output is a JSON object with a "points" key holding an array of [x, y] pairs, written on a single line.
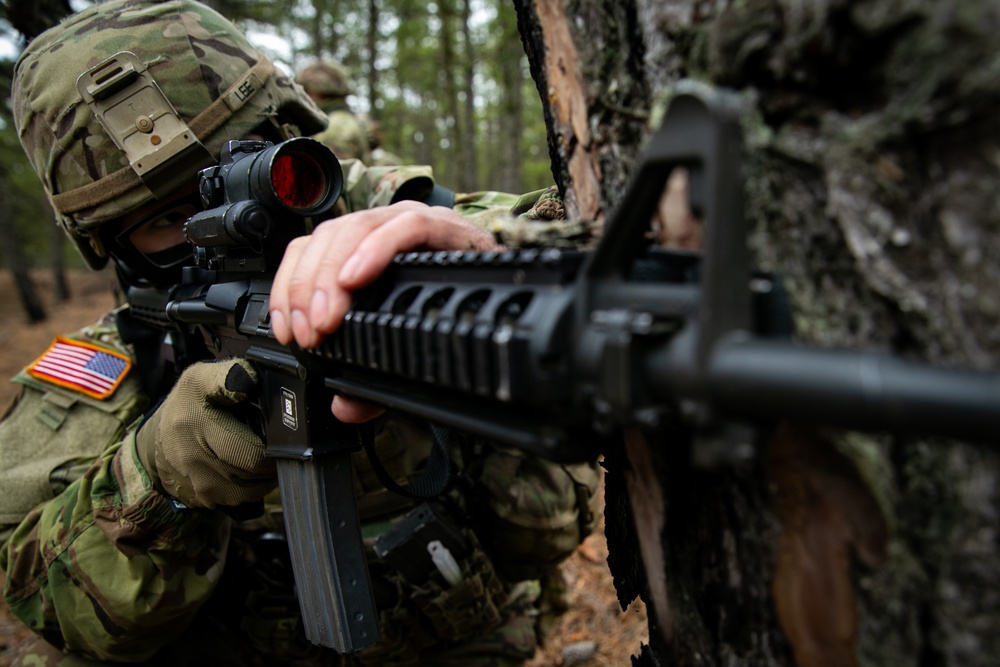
{"points": [[329, 84], [373, 130], [117, 484]]}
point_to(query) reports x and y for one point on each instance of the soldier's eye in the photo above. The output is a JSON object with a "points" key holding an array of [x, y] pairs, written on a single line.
{"points": [[173, 217], [161, 229]]}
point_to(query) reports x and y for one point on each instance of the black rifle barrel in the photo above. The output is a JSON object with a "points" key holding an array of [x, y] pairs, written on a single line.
{"points": [[867, 391]]}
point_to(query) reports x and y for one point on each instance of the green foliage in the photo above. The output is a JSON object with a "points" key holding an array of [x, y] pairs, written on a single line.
{"points": [[411, 99]]}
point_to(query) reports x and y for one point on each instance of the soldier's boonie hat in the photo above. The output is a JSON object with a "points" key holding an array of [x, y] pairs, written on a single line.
{"points": [[215, 87]]}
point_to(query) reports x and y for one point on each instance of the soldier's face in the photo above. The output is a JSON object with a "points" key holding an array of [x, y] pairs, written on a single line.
{"points": [[159, 225], [163, 229], [149, 242]]}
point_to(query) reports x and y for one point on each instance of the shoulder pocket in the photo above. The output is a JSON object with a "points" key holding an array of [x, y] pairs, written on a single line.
{"points": [[49, 426]]}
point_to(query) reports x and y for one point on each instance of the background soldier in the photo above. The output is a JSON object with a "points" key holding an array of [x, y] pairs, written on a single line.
{"points": [[329, 84], [116, 500], [373, 130]]}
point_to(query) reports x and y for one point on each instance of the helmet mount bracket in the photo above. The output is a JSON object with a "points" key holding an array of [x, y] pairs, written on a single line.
{"points": [[132, 109]]}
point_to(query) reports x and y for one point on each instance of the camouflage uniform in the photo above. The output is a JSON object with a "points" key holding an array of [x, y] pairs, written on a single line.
{"points": [[99, 540], [382, 158], [102, 567], [373, 130], [329, 85], [343, 135], [536, 219]]}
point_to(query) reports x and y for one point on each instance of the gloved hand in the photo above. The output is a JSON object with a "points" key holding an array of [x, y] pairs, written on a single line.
{"points": [[194, 447]]}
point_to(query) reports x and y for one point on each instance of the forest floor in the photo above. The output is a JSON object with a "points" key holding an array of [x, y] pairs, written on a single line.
{"points": [[593, 632]]}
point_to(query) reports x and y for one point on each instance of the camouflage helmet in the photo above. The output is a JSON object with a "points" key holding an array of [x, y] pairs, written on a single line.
{"points": [[325, 79], [218, 85]]}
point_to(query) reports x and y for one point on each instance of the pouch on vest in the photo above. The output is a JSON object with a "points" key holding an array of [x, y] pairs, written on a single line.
{"points": [[448, 577], [422, 542], [49, 426], [535, 513]]}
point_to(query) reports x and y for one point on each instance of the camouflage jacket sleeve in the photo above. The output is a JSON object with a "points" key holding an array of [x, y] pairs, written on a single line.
{"points": [[96, 561], [367, 187], [518, 221], [107, 568], [536, 219]]}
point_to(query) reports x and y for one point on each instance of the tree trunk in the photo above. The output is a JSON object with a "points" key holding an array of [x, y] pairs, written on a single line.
{"points": [[427, 139], [13, 257], [511, 108], [373, 48], [470, 131], [492, 137], [322, 40], [57, 245], [456, 173], [871, 136]]}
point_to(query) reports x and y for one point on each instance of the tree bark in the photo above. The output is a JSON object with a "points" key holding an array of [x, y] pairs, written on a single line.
{"points": [[871, 136], [595, 109]]}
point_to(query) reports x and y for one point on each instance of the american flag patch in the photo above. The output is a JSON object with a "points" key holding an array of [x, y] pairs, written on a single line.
{"points": [[83, 367]]}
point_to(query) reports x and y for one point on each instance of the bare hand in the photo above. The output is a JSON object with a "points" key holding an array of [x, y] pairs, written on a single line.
{"points": [[312, 289]]}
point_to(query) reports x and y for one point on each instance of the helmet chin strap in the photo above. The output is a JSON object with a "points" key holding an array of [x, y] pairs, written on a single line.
{"points": [[160, 355], [128, 276]]}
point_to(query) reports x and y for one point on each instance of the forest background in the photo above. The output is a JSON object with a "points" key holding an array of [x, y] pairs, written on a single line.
{"points": [[448, 81]]}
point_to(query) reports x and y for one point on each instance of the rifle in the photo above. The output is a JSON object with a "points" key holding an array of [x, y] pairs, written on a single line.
{"points": [[547, 350]]}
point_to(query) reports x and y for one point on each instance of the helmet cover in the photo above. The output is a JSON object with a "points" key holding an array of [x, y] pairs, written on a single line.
{"points": [[219, 84], [325, 79]]}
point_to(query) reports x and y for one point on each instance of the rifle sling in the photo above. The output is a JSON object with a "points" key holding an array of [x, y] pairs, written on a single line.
{"points": [[433, 481]]}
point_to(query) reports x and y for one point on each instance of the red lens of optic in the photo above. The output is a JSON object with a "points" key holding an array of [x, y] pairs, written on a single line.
{"points": [[298, 180]]}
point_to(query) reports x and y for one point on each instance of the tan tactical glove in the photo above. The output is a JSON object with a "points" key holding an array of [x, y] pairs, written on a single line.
{"points": [[196, 449]]}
